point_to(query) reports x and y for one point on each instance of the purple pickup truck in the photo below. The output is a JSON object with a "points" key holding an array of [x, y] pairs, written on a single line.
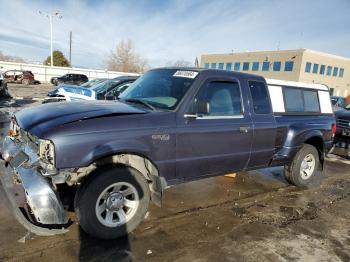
{"points": [[106, 160]]}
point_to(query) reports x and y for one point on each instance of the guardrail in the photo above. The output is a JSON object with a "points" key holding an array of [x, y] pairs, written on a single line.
{"points": [[44, 73]]}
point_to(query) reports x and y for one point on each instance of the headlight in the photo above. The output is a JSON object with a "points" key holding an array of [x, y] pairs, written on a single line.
{"points": [[47, 151], [14, 128]]}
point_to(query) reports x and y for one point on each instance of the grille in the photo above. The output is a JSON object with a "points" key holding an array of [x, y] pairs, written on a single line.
{"points": [[343, 123]]}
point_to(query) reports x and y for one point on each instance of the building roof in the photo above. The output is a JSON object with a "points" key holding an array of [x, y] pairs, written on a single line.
{"points": [[299, 50]]}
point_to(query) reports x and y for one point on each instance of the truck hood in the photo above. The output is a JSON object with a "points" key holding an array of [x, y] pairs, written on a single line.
{"points": [[344, 114], [55, 114]]}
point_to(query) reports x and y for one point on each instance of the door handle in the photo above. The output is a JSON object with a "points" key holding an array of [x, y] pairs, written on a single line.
{"points": [[244, 129]]}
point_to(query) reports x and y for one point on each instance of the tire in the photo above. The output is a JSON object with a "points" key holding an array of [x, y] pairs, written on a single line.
{"points": [[93, 197], [301, 173]]}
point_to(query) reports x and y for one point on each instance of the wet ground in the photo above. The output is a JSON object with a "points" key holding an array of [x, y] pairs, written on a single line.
{"points": [[254, 216], [29, 91]]}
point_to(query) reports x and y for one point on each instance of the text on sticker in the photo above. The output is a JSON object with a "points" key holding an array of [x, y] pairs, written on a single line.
{"points": [[187, 74]]}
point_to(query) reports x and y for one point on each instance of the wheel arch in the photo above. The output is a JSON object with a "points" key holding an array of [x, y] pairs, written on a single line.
{"points": [[315, 139], [142, 164]]}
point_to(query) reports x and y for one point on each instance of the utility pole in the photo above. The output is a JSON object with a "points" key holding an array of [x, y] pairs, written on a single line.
{"points": [[70, 48], [50, 17]]}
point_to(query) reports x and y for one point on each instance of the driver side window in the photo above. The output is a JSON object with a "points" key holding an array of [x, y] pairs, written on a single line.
{"points": [[224, 98]]}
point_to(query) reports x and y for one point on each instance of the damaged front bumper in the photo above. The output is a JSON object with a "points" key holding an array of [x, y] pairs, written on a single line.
{"points": [[41, 210]]}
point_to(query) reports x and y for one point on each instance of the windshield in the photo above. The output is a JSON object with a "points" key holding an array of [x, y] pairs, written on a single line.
{"points": [[334, 100], [102, 87], [92, 82], [162, 88]]}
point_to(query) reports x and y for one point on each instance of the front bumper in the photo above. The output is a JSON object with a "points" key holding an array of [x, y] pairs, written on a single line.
{"points": [[45, 213]]}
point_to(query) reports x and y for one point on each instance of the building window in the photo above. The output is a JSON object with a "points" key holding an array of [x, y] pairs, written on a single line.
{"points": [[288, 66], [266, 66], [315, 69], [228, 66], [213, 65], [221, 66], [255, 66], [329, 70], [277, 66], [245, 66], [341, 72], [322, 69], [206, 65], [237, 66], [308, 67], [335, 71]]}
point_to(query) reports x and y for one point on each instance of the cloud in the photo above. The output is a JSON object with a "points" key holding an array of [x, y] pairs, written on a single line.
{"points": [[173, 30]]}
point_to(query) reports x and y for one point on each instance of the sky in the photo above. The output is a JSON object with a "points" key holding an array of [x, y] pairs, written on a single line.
{"points": [[170, 30]]}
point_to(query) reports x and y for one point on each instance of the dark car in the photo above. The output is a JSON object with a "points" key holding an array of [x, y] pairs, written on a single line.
{"points": [[19, 77], [108, 159], [343, 126], [74, 79], [338, 102]]}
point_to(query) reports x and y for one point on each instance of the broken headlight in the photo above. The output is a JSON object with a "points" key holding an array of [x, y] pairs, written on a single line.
{"points": [[14, 128], [47, 151]]}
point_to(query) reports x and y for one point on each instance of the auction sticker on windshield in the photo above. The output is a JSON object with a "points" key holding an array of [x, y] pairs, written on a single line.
{"points": [[187, 74]]}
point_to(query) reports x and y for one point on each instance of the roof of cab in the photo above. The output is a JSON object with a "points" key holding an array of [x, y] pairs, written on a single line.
{"points": [[218, 72], [295, 84]]}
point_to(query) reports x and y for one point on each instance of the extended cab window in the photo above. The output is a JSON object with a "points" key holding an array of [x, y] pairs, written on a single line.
{"points": [[224, 98], [301, 101], [311, 101], [260, 97]]}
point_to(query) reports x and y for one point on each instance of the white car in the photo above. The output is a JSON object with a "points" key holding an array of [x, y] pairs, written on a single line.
{"points": [[105, 90]]}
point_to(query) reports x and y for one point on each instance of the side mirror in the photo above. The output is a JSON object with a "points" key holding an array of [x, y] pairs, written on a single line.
{"points": [[202, 108], [199, 108], [110, 97]]}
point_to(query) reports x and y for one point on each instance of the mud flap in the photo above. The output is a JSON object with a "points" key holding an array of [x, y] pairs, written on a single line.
{"points": [[157, 187]]}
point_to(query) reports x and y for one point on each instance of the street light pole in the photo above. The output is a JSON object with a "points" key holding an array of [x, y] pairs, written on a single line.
{"points": [[51, 49], [50, 17]]}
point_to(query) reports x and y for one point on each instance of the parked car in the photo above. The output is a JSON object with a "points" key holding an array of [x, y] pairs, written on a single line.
{"points": [[171, 125], [343, 126], [105, 90], [75, 79], [86, 85], [338, 102], [19, 77], [3, 87]]}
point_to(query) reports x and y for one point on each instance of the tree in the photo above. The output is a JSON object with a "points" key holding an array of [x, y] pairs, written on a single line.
{"points": [[179, 63], [58, 59], [124, 59], [9, 58]]}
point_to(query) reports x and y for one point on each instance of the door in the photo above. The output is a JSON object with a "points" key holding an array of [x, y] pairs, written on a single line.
{"points": [[264, 123], [219, 141]]}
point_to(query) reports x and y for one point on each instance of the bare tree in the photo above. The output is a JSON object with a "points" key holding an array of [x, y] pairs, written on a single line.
{"points": [[179, 63], [9, 58], [124, 59]]}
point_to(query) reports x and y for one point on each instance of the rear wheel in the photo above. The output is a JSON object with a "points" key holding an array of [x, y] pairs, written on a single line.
{"points": [[304, 166], [112, 202]]}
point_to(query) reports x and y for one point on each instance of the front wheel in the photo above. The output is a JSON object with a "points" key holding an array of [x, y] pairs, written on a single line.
{"points": [[301, 171], [112, 202]]}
